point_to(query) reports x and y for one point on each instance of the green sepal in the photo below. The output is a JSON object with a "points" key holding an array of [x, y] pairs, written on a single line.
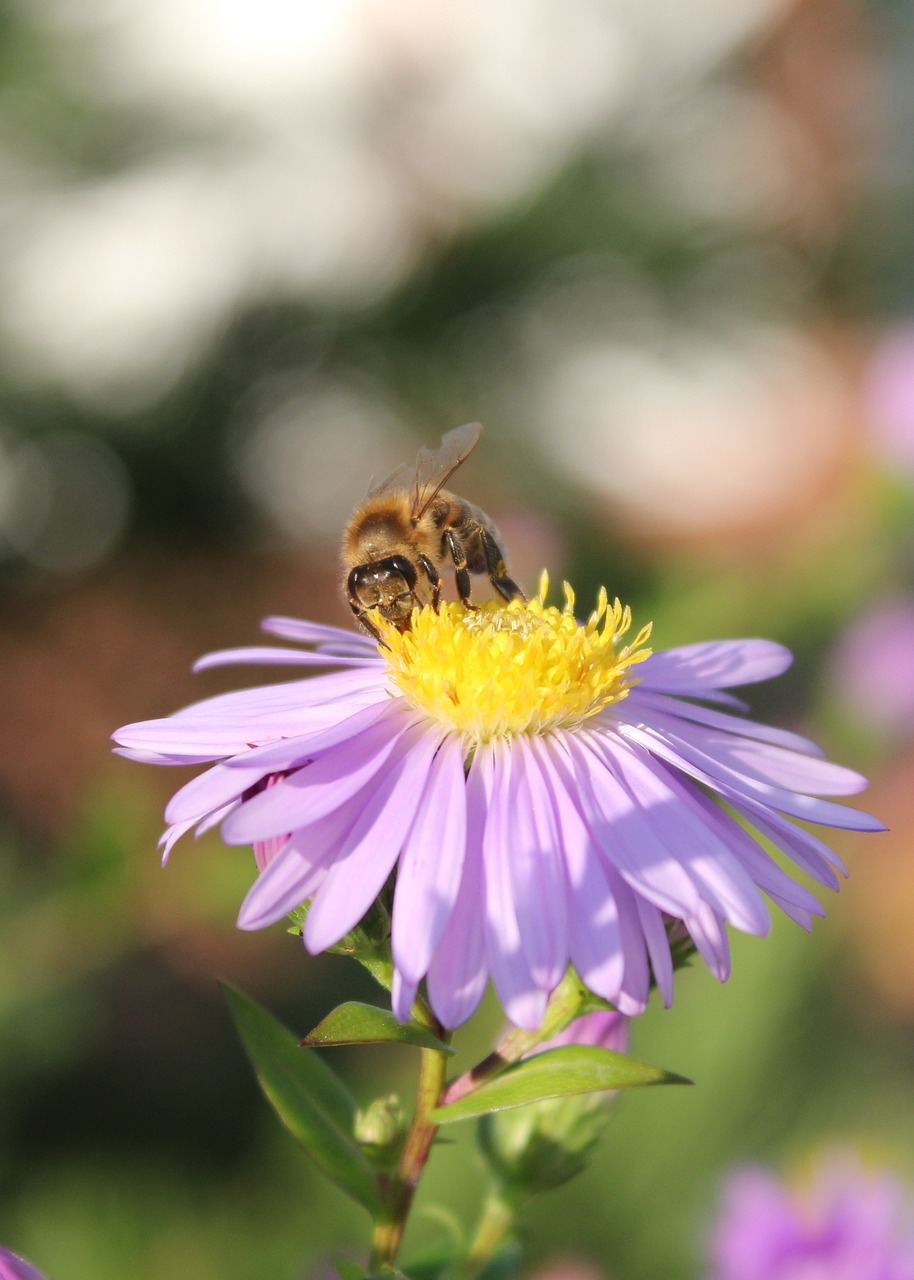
{"points": [[297, 918], [544, 1144], [504, 1263], [368, 942], [380, 1130], [378, 962], [356, 1023], [574, 1068], [682, 952], [440, 1262], [446, 1261], [308, 1097], [346, 1269]]}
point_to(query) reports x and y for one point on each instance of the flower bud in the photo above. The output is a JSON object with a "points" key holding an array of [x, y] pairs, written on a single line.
{"points": [[380, 1129], [544, 1144], [370, 935]]}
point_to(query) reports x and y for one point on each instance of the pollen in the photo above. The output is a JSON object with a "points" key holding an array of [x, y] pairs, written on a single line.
{"points": [[498, 670]]}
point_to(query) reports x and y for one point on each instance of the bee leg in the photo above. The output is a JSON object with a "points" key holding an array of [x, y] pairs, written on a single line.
{"points": [[461, 573], [363, 621], [360, 612], [497, 570], [434, 580]]}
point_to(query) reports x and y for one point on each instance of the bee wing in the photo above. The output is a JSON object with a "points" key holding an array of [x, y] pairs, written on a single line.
{"points": [[401, 478], [435, 466]]}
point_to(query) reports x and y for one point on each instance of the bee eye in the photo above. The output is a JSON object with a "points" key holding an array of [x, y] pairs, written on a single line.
{"points": [[403, 568], [395, 570]]}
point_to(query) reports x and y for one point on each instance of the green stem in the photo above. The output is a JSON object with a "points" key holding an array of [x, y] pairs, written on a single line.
{"points": [[391, 1223], [567, 1002], [496, 1224]]}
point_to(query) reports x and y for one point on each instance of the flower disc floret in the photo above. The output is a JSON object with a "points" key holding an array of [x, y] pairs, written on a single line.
{"points": [[523, 668]]}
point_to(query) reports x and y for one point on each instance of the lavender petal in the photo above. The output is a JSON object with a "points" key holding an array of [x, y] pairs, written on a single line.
{"points": [[595, 941], [717, 664], [367, 855], [616, 817], [511, 973], [310, 793], [459, 971], [431, 863]]}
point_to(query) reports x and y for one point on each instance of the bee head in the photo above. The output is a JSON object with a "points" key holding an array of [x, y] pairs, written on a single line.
{"points": [[388, 585]]}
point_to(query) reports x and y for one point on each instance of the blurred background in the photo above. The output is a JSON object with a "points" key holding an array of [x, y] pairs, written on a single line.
{"points": [[254, 253]]}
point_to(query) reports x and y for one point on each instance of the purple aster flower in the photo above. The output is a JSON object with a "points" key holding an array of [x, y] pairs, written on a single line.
{"points": [[850, 1224], [546, 793], [12, 1267]]}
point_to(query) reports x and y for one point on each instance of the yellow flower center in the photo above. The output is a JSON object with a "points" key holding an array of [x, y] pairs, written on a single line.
{"points": [[504, 669]]}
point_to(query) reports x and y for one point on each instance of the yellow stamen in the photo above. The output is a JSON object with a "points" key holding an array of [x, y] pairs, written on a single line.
{"points": [[504, 669]]}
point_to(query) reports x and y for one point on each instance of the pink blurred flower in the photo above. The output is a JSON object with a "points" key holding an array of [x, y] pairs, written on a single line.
{"points": [[871, 671], [605, 1029], [889, 398], [848, 1224], [12, 1267]]}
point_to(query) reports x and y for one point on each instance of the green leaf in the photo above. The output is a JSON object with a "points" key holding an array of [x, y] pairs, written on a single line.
{"points": [[308, 1097], [355, 1023], [574, 1068], [379, 964]]}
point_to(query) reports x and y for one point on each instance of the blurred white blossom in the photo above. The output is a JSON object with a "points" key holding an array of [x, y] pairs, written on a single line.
{"points": [[316, 152]]}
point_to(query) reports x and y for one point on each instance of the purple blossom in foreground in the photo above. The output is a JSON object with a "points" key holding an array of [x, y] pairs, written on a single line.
{"points": [[541, 803], [12, 1267], [851, 1224]]}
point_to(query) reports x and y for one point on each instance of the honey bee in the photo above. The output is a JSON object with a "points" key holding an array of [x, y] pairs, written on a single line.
{"points": [[410, 525]]}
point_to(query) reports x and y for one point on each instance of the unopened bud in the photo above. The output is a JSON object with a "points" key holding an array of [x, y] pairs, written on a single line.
{"points": [[370, 936], [380, 1129], [544, 1144]]}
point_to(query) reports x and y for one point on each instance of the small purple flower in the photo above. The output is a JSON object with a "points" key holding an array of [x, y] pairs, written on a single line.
{"points": [[872, 667], [540, 803], [12, 1267], [889, 398], [850, 1224]]}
